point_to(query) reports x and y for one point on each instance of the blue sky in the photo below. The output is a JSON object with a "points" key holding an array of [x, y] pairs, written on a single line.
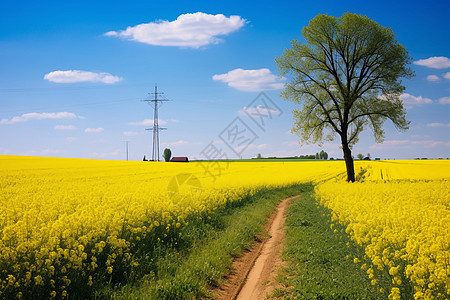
{"points": [[73, 74]]}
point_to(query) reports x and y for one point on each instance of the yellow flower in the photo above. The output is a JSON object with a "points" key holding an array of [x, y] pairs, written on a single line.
{"points": [[38, 280], [64, 209], [395, 294]]}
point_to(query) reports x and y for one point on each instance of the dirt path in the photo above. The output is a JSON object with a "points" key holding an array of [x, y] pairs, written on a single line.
{"points": [[254, 273]]}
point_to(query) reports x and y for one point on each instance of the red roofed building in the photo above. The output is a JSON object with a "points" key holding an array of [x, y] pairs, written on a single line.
{"points": [[180, 159]]}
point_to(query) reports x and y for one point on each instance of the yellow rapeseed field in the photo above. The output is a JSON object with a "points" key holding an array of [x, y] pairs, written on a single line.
{"points": [[66, 222], [400, 214]]}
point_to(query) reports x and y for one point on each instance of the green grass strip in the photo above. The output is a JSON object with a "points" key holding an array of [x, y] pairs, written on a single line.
{"points": [[320, 258], [191, 273]]}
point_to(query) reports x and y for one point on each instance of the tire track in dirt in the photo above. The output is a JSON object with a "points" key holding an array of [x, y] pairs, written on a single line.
{"points": [[254, 273]]}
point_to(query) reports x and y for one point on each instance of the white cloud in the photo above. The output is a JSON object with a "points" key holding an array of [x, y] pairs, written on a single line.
{"points": [[40, 116], [130, 133], [251, 80], [72, 76], [188, 30], [410, 100], [435, 62], [64, 127], [438, 125], [433, 78], [94, 130], [147, 122], [444, 100], [446, 75], [258, 111], [177, 143], [71, 139]]}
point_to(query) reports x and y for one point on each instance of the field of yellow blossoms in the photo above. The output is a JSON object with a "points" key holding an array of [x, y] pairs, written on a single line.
{"points": [[68, 224], [400, 213]]}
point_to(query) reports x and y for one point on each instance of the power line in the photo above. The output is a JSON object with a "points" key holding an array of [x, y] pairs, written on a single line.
{"points": [[156, 128]]}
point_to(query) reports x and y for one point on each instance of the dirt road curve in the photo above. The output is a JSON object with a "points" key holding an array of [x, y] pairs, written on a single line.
{"points": [[254, 272]]}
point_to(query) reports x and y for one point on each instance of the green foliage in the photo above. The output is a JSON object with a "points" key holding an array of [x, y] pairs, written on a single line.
{"points": [[323, 155], [167, 154], [346, 77], [360, 156]]}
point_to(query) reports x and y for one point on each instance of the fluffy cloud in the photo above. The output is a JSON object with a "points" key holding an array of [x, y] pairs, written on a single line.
{"points": [[433, 78], [39, 116], [188, 30], [94, 130], [446, 75], [72, 76], [251, 80], [438, 125], [444, 100], [410, 100], [435, 62], [64, 127]]}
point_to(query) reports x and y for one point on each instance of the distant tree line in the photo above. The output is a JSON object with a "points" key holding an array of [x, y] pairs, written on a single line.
{"points": [[322, 155]]}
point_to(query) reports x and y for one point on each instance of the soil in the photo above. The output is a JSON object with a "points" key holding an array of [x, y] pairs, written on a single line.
{"points": [[253, 274]]}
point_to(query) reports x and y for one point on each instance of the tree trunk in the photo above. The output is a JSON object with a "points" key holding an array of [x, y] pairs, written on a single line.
{"points": [[348, 162]]}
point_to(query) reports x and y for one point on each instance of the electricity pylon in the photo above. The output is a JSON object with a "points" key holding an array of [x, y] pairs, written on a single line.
{"points": [[155, 128]]}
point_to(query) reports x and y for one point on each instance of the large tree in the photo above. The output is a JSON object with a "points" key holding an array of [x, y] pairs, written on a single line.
{"points": [[346, 77]]}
